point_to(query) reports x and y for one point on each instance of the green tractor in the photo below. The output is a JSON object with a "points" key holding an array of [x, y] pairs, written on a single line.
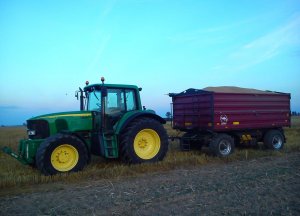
{"points": [[111, 123]]}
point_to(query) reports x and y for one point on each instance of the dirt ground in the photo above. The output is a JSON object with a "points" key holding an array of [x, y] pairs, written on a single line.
{"points": [[265, 186]]}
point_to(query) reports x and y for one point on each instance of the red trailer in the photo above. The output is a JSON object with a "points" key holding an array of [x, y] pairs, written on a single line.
{"points": [[222, 117]]}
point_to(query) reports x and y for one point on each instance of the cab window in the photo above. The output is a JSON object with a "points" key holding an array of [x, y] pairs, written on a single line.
{"points": [[120, 100], [130, 100]]}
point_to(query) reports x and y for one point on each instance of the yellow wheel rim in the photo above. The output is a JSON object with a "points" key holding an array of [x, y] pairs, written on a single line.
{"points": [[146, 144], [64, 157]]}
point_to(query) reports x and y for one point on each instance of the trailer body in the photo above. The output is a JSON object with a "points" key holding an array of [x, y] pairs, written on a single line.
{"points": [[218, 111], [246, 115]]}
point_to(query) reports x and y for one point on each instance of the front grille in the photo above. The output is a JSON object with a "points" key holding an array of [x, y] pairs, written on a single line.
{"points": [[41, 128]]}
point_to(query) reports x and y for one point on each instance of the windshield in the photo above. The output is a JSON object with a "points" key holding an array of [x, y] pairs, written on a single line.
{"points": [[117, 100], [94, 102]]}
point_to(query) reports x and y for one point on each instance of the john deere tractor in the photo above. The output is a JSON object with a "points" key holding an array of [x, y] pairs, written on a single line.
{"points": [[111, 123]]}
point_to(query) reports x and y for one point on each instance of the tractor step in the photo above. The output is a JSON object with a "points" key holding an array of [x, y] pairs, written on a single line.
{"points": [[110, 146]]}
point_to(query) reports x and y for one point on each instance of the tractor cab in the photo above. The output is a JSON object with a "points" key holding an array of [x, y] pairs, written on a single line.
{"points": [[109, 102], [114, 101]]}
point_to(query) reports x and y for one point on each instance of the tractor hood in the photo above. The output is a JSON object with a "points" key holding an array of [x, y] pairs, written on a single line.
{"points": [[72, 114], [63, 121]]}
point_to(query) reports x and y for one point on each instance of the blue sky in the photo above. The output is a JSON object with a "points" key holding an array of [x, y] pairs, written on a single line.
{"points": [[50, 48]]}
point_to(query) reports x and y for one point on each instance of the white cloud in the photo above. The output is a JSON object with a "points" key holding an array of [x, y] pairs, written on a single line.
{"points": [[264, 47], [109, 7], [97, 60], [210, 35]]}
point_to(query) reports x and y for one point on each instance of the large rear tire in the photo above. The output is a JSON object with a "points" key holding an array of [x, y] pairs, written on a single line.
{"points": [[61, 153], [222, 145], [144, 140], [274, 140]]}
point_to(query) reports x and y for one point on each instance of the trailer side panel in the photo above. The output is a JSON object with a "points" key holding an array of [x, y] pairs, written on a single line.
{"points": [[216, 111], [193, 111], [251, 111]]}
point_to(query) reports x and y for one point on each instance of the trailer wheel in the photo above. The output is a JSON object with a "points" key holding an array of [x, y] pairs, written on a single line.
{"points": [[144, 140], [222, 145], [61, 153], [274, 139]]}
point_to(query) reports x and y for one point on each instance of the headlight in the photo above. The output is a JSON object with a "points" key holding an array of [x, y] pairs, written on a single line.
{"points": [[31, 132]]}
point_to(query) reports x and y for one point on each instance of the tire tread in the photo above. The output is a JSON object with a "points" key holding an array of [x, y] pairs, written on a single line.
{"points": [[125, 144], [44, 147]]}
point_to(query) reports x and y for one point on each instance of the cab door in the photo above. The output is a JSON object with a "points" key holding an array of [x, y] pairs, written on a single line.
{"points": [[117, 103]]}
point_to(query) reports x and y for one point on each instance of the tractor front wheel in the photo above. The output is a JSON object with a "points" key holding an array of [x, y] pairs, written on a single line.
{"points": [[144, 140], [61, 153]]}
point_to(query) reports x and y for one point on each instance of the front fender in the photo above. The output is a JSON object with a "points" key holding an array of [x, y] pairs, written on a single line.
{"points": [[130, 116]]}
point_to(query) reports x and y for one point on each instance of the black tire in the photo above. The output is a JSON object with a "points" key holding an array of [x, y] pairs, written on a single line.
{"points": [[61, 153], [132, 141], [274, 140], [222, 145]]}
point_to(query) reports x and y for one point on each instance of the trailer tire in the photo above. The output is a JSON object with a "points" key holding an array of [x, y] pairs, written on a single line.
{"points": [[61, 153], [274, 140], [222, 145], [144, 140]]}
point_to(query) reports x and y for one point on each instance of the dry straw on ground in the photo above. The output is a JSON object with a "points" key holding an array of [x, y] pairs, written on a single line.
{"points": [[13, 174]]}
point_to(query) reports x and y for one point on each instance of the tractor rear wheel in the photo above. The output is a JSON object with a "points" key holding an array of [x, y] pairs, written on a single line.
{"points": [[61, 153], [144, 140]]}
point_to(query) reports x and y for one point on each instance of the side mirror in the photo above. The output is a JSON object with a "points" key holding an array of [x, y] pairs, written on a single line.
{"points": [[103, 91], [76, 94]]}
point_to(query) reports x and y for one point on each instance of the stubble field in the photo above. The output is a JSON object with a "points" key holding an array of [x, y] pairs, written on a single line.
{"points": [[251, 181]]}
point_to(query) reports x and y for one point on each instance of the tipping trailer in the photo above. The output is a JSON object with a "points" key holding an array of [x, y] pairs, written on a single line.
{"points": [[223, 117]]}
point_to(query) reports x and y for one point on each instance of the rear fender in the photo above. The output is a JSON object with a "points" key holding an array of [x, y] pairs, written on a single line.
{"points": [[130, 116]]}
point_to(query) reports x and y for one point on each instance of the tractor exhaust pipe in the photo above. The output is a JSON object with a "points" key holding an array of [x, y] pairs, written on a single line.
{"points": [[81, 99]]}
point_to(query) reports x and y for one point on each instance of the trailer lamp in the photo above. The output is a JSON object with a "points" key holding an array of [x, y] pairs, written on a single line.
{"points": [[31, 132]]}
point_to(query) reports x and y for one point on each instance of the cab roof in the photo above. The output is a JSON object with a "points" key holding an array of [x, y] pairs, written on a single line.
{"points": [[98, 86]]}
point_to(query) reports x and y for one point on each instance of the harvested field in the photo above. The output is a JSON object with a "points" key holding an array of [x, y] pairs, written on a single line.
{"points": [[264, 186], [249, 182]]}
